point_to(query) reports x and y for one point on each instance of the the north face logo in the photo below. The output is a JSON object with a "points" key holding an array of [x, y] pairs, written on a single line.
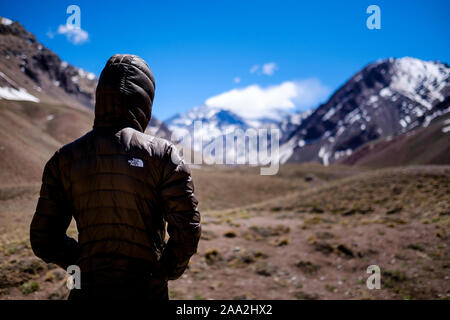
{"points": [[135, 162]]}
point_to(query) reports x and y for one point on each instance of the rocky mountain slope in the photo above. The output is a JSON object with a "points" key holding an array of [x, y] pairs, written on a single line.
{"points": [[386, 98], [425, 145], [30, 71]]}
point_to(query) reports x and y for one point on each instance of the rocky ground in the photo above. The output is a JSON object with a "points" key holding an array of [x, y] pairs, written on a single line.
{"points": [[308, 233]]}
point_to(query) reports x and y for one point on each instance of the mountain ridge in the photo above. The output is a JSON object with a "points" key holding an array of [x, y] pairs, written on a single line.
{"points": [[388, 97], [32, 72]]}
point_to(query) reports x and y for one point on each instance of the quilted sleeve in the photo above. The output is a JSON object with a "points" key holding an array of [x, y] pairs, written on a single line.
{"points": [[52, 218], [181, 214]]}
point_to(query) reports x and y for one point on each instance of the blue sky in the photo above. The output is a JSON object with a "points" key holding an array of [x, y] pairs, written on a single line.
{"points": [[197, 49]]}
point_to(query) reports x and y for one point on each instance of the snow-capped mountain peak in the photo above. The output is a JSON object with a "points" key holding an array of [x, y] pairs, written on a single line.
{"points": [[385, 98], [213, 122], [421, 81]]}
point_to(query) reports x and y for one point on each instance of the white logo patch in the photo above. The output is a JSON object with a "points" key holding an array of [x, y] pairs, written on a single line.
{"points": [[135, 162]]}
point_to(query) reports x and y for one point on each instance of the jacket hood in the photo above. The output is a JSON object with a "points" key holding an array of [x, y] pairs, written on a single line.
{"points": [[125, 93]]}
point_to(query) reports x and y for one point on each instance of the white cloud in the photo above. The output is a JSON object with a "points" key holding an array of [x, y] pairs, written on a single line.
{"points": [[269, 68], [237, 80], [254, 68], [310, 92], [74, 35], [255, 102]]}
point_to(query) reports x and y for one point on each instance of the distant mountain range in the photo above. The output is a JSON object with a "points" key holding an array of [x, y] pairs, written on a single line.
{"points": [[387, 103], [387, 98], [217, 122]]}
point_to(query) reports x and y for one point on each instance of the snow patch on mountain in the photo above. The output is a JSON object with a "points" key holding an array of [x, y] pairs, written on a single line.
{"points": [[9, 93], [5, 21], [13, 92], [420, 81]]}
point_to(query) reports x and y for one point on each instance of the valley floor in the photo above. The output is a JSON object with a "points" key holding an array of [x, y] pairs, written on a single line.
{"points": [[308, 233]]}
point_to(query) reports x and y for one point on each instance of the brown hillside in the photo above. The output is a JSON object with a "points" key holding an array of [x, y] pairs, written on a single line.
{"points": [[425, 145], [31, 133]]}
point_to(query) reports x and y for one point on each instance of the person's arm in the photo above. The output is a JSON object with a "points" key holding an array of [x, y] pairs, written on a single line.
{"points": [[52, 218], [181, 214]]}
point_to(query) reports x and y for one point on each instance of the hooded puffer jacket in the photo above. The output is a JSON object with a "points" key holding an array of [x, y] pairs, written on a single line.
{"points": [[122, 187]]}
